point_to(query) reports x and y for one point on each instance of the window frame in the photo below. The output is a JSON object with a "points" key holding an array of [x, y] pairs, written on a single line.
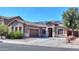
{"points": [[20, 28], [12, 28], [59, 33], [16, 28]]}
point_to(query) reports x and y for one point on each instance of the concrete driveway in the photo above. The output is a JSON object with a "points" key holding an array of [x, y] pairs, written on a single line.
{"points": [[46, 42], [53, 42]]}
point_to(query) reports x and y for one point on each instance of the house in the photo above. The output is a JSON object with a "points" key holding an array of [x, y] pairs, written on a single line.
{"points": [[30, 29]]}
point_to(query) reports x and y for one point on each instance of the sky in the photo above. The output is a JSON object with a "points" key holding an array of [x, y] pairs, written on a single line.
{"points": [[34, 14]]}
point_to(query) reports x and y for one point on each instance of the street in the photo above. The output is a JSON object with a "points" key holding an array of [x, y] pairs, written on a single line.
{"points": [[20, 47]]}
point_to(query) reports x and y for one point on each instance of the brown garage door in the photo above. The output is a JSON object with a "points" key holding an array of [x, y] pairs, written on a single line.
{"points": [[34, 33]]}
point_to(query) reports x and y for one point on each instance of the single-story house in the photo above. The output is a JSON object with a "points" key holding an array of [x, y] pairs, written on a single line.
{"points": [[30, 29]]}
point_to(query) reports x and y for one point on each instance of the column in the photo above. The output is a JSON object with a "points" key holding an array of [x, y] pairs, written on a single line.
{"points": [[46, 32], [53, 33], [28, 32], [39, 32], [65, 33], [13, 28]]}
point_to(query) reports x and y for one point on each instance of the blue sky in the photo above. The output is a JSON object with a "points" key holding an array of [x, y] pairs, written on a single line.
{"points": [[34, 14]]}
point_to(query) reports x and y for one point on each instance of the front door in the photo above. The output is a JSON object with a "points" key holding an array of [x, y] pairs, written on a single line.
{"points": [[50, 32]]}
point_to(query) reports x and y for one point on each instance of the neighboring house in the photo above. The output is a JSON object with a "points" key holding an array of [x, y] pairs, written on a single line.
{"points": [[30, 29]]}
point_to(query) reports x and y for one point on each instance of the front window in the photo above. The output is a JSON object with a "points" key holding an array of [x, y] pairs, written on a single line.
{"points": [[20, 28], [60, 31], [43, 31], [12, 28], [15, 28]]}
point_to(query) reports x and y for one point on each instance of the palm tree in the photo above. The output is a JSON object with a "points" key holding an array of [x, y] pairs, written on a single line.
{"points": [[70, 18]]}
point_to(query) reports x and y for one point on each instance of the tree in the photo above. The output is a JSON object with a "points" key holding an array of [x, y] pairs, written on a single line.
{"points": [[70, 18], [3, 30], [78, 24]]}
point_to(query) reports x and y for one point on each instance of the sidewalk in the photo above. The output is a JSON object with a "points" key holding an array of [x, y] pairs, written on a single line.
{"points": [[49, 42]]}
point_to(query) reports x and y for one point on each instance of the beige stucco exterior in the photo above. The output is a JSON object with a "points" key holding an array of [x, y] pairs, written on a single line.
{"points": [[16, 24], [42, 30], [27, 28]]}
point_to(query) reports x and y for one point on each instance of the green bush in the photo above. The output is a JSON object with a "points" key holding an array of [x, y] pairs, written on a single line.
{"points": [[15, 35], [3, 30]]}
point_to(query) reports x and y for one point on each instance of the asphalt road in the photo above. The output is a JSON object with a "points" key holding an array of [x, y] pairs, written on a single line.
{"points": [[18, 47]]}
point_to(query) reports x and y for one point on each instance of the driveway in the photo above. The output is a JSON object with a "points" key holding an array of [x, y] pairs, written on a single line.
{"points": [[45, 42], [53, 42]]}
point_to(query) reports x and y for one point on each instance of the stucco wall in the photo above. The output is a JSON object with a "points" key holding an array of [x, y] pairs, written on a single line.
{"points": [[16, 24]]}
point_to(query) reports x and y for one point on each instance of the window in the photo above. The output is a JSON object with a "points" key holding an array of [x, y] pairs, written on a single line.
{"points": [[43, 31], [15, 28], [12, 28], [20, 28], [60, 31]]}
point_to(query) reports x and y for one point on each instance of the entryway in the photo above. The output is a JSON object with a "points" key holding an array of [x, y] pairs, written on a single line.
{"points": [[50, 32]]}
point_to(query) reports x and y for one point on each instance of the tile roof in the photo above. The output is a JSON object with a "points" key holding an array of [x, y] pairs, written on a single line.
{"points": [[8, 19], [38, 24]]}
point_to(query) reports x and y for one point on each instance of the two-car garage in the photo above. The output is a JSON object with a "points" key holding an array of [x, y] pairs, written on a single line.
{"points": [[35, 31]]}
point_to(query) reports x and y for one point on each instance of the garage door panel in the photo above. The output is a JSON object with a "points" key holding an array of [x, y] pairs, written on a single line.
{"points": [[34, 33]]}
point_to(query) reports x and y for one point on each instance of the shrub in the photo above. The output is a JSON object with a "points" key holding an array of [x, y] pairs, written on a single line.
{"points": [[15, 35], [3, 30]]}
